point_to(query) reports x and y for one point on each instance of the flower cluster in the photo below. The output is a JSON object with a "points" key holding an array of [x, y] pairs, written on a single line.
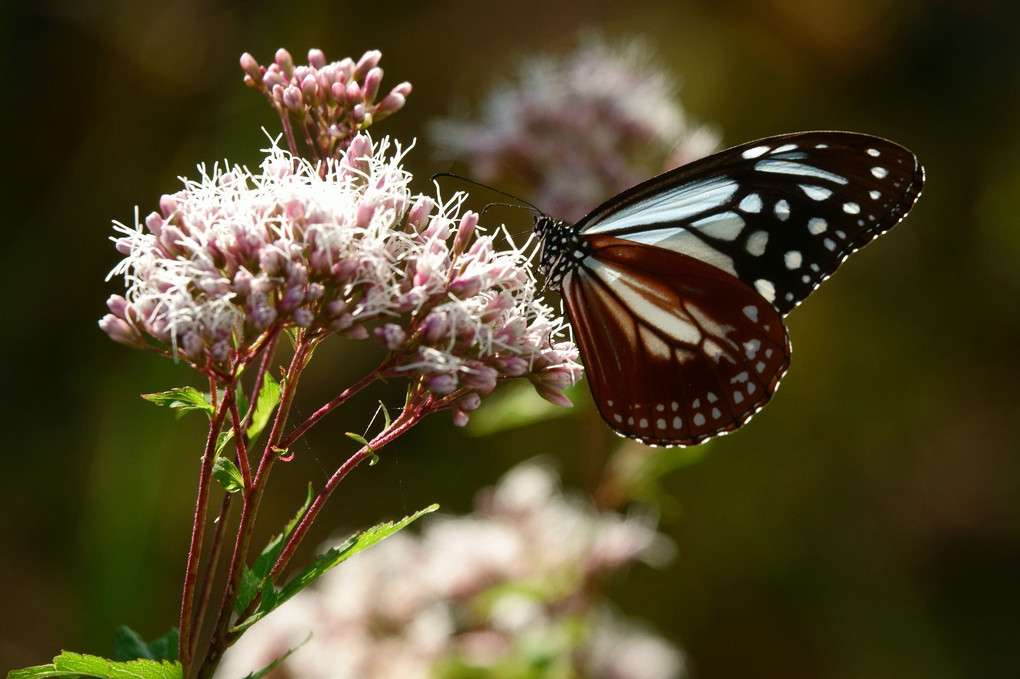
{"points": [[328, 102], [347, 250], [510, 585], [573, 131]]}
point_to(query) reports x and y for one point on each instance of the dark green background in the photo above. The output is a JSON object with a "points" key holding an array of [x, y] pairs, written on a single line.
{"points": [[867, 524]]}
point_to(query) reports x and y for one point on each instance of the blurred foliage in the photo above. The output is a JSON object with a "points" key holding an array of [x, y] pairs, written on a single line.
{"points": [[866, 524]]}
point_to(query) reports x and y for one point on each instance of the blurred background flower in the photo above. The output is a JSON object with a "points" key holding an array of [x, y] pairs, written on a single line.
{"points": [[865, 525], [512, 590]]}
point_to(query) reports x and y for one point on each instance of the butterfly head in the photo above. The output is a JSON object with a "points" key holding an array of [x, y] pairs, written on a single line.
{"points": [[562, 248]]}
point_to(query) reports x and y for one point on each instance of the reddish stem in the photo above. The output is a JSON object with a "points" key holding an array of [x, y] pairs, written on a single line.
{"points": [[198, 532]]}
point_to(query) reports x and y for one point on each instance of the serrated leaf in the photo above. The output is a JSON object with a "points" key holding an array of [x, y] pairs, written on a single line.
{"points": [[129, 645], [269, 398], [228, 475], [182, 400], [252, 578], [76, 665], [326, 562]]}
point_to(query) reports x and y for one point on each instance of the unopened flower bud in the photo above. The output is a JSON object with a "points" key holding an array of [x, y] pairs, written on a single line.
{"points": [[121, 331], [460, 418], [418, 216], [469, 401], [441, 385], [303, 317], [316, 58], [117, 306], [465, 231], [285, 61], [371, 85], [368, 61], [219, 352], [251, 68], [391, 335]]}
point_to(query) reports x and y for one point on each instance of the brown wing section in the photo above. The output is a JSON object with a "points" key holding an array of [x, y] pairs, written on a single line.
{"points": [[676, 351]]}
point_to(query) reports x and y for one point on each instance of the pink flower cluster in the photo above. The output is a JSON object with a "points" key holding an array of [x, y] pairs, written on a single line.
{"points": [[342, 250], [573, 131], [329, 103], [495, 590]]}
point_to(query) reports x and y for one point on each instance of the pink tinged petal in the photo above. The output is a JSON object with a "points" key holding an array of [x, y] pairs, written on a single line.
{"points": [[272, 261], [310, 87], [365, 212], [465, 231], [418, 217], [465, 287], [435, 327], [550, 393], [512, 366]]}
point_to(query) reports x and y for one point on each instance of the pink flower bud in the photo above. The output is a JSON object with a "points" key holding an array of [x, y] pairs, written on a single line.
{"points": [[316, 58], [391, 336], [469, 401], [480, 377], [441, 385], [219, 352], [251, 67], [368, 61], [370, 88], [303, 317], [465, 231], [460, 418], [117, 306], [285, 61], [121, 331], [418, 216], [293, 99]]}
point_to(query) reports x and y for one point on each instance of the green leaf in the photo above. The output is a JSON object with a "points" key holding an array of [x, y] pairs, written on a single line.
{"points": [[516, 405], [326, 562], [76, 665], [273, 665], [228, 475], [269, 398], [128, 645], [360, 439], [252, 579], [224, 437], [182, 399]]}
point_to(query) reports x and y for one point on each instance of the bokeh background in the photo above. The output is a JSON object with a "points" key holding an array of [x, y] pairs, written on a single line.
{"points": [[867, 524]]}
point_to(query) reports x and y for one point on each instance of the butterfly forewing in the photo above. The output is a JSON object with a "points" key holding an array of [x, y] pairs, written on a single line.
{"points": [[781, 214], [675, 350]]}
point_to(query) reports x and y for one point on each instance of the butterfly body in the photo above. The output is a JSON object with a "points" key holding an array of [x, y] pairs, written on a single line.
{"points": [[676, 288]]}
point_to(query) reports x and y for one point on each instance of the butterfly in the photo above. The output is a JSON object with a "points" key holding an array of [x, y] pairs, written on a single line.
{"points": [[676, 289]]}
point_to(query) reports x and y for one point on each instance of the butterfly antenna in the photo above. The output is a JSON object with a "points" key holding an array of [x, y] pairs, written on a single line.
{"points": [[490, 188]]}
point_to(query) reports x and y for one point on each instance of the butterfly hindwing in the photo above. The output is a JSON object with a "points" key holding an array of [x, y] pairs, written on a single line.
{"points": [[781, 214], [675, 350]]}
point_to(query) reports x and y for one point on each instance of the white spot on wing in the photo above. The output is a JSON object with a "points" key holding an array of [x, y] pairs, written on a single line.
{"points": [[724, 226], [751, 312], [766, 289], [879, 172], [851, 208], [782, 210], [756, 243], [751, 203], [815, 192], [873, 153], [755, 152], [817, 225], [792, 259]]}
